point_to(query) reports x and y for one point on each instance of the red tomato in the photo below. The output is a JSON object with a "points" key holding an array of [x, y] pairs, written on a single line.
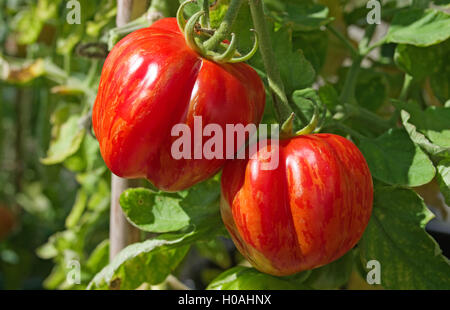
{"points": [[307, 212], [151, 81], [7, 221]]}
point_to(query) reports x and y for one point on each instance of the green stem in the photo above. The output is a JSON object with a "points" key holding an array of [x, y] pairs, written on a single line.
{"points": [[91, 73], [344, 40], [55, 73], [205, 18], [348, 130], [348, 91], [281, 104], [353, 110], [368, 34], [225, 27], [366, 51], [407, 82], [118, 33], [67, 61]]}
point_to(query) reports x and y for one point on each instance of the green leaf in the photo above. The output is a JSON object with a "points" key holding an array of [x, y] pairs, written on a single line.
{"points": [[245, 278], [442, 2], [371, 89], [153, 212], [57, 276], [419, 62], [216, 251], [303, 105], [34, 200], [99, 257], [163, 212], [433, 122], [314, 45], [329, 96], [105, 14], [440, 81], [443, 179], [333, 275], [419, 27], [28, 23], [67, 137], [150, 261], [396, 237], [72, 34], [77, 209], [217, 12], [394, 159], [300, 15], [420, 139]]}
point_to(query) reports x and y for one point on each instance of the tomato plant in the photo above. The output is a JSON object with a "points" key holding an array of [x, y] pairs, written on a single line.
{"points": [[361, 195]]}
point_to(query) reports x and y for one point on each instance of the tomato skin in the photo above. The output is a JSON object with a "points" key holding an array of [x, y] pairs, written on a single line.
{"points": [[152, 80], [307, 212]]}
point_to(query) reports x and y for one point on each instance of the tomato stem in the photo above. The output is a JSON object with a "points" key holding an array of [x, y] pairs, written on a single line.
{"points": [[407, 82], [287, 129], [281, 103], [181, 21], [205, 19], [348, 91], [347, 130], [344, 40], [225, 27]]}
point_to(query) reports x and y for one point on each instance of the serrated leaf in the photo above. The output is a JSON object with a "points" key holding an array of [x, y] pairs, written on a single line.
{"points": [[396, 237], [153, 212], [150, 261], [419, 27], [245, 278], [420, 139], [433, 122], [300, 15], [65, 142], [419, 62], [394, 159], [304, 105], [162, 212]]}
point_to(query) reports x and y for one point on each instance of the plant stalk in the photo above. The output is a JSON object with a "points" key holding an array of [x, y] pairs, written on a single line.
{"points": [[281, 103], [348, 91], [225, 27]]}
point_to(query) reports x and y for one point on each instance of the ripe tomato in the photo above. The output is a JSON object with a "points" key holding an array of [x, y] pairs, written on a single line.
{"points": [[7, 221], [307, 212], [152, 80]]}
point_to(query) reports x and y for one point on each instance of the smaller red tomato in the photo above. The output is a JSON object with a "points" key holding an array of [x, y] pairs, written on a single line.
{"points": [[307, 212]]}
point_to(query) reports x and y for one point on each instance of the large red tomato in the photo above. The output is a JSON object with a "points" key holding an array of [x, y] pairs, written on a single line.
{"points": [[151, 81], [307, 212]]}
